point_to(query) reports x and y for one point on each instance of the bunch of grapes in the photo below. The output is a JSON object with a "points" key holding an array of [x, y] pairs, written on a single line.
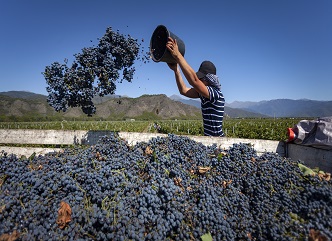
{"points": [[170, 188], [93, 72]]}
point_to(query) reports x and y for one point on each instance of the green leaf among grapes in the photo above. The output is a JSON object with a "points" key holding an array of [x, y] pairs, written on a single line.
{"points": [[306, 170], [206, 237]]}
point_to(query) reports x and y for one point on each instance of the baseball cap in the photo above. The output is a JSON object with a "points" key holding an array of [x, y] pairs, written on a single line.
{"points": [[206, 67]]}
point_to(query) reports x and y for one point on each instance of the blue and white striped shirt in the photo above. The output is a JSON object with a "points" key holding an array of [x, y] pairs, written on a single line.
{"points": [[213, 112]]}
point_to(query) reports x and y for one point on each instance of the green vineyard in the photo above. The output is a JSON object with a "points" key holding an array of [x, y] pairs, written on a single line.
{"points": [[266, 129]]}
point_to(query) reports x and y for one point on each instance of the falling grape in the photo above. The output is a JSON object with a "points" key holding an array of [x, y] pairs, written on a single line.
{"points": [[94, 71]]}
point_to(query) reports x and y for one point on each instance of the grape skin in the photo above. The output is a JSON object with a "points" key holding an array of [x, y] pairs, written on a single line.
{"points": [[122, 192]]}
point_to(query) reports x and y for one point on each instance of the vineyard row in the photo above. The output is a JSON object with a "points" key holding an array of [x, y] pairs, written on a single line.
{"points": [[267, 129]]}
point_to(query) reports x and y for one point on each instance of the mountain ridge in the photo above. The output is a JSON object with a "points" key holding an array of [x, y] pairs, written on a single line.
{"points": [[27, 105], [21, 104], [115, 107], [287, 107], [229, 111]]}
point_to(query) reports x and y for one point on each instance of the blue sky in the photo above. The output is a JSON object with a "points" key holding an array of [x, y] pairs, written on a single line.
{"points": [[263, 49]]}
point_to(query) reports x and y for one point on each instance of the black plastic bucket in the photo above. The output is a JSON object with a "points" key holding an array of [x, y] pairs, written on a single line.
{"points": [[158, 50]]}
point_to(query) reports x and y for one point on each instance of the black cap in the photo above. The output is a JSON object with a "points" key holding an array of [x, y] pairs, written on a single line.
{"points": [[207, 67]]}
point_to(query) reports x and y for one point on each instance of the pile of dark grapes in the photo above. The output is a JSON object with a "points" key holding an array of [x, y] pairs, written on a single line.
{"points": [[94, 72], [170, 188]]}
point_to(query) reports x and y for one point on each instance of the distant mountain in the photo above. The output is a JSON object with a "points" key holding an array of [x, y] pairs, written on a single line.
{"points": [[230, 112], [239, 113], [147, 106], [16, 104], [114, 107], [99, 100], [242, 104], [175, 97], [193, 102], [287, 107], [20, 104], [23, 95]]}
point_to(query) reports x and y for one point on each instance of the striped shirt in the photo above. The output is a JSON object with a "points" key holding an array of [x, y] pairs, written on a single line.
{"points": [[213, 112]]}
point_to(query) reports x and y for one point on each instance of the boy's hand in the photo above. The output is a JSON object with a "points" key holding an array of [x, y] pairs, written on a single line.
{"points": [[173, 48]]}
